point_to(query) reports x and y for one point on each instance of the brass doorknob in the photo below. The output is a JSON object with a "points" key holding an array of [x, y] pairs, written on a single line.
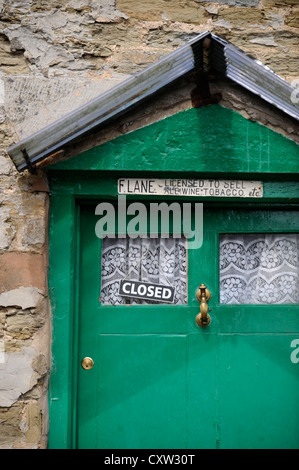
{"points": [[87, 363], [203, 295]]}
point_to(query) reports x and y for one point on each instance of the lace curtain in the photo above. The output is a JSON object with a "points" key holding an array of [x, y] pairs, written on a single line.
{"points": [[156, 260], [259, 269]]}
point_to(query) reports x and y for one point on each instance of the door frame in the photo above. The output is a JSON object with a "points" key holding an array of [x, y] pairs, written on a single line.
{"points": [[68, 191]]}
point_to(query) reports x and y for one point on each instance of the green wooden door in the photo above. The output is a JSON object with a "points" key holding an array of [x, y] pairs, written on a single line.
{"points": [[160, 381]]}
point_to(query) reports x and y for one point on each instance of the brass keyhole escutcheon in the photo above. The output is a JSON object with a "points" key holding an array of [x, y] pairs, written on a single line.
{"points": [[203, 295], [87, 363]]}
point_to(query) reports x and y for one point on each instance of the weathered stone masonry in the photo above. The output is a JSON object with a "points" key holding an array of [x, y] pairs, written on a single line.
{"points": [[54, 56]]}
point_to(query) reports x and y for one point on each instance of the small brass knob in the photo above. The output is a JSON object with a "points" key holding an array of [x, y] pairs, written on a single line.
{"points": [[87, 363]]}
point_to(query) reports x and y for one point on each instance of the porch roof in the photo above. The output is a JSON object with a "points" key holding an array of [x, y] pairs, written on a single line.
{"points": [[205, 52]]}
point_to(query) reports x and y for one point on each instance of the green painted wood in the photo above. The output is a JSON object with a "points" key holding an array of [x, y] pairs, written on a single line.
{"points": [[209, 142], [259, 384], [159, 381], [210, 139], [63, 282], [142, 355], [95, 185], [61, 292]]}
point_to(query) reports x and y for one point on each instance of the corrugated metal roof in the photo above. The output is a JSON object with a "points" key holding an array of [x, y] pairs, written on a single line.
{"points": [[226, 58], [254, 76]]}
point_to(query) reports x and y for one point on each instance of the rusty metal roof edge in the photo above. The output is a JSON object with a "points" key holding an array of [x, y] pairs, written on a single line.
{"points": [[227, 59], [49, 139], [258, 78]]}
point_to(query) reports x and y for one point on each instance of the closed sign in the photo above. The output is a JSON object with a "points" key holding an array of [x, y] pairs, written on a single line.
{"points": [[146, 290]]}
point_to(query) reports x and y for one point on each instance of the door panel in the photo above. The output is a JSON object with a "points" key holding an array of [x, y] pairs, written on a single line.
{"points": [[141, 398], [202, 392], [259, 392], [160, 381]]}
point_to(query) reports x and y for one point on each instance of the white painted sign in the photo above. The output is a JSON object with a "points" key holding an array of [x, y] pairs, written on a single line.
{"points": [[190, 187], [146, 290]]}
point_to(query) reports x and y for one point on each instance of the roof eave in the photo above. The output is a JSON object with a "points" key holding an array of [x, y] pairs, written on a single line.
{"points": [[226, 58]]}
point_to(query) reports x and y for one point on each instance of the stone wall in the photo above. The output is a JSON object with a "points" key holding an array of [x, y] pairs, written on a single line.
{"points": [[24, 312], [50, 52]]}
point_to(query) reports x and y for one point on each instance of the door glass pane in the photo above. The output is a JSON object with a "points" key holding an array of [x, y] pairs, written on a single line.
{"points": [[259, 269], [160, 261]]}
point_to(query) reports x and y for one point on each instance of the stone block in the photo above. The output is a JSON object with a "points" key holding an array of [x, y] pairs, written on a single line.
{"points": [[34, 420], [292, 19], [277, 64], [17, 377], [237, 16], [288, 39], [39, 364], [280, 3], [2, 326], [22, 270], [109, 35], [11, 62], [23, 325], [132, 61], [24, 297], [34, 232], [24, 203], [167, 36], [274, 19], [6, 166], [264, 41], [9, 425], [156, 10], [242, 3], [7, 230]]}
